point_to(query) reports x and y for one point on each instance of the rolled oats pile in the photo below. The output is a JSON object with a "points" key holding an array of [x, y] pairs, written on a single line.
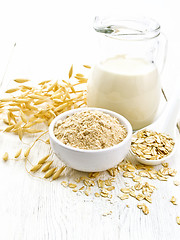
{"points": [[90, 130], [139, 183], [151, 145]]}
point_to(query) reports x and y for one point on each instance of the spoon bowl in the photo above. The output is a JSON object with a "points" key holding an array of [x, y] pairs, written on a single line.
{"points": [[155, 162], [164, 124]]}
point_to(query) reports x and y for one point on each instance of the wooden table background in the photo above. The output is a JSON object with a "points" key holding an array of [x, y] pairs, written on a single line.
{"points": [[31, 208], [35, 209]]}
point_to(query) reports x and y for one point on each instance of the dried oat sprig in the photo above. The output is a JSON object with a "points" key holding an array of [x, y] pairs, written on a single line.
{"points": [[50, 172], [20, 80], [5, 156], [18, 153], [86, 66], [26, 153], [47, 166], [12, 90], [34, 105], [43, 160], [58, 173], [71, 71], [36, 168]]}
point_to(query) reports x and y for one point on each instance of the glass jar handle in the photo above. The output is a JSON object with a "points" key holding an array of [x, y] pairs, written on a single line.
{"points": [[161, 57], [162, 52]]}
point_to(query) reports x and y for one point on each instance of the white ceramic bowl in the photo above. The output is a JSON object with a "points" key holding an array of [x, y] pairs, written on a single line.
{"points": [[91, 160]]}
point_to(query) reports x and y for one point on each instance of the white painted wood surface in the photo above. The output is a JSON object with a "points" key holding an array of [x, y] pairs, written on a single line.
{"points": [[34, 209], [31, 208]]}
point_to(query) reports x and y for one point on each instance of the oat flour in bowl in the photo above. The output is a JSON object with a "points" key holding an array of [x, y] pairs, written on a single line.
{"points": [[90, 130]]}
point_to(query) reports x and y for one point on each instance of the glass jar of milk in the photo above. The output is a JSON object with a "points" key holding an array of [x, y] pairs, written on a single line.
{"points": [[126, 78]]}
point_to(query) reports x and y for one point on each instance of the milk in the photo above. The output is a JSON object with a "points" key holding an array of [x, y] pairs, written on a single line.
{"points": [[128, 86]]}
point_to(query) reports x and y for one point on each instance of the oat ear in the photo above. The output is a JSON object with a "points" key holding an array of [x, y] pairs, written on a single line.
{"points": [[71, 71]]}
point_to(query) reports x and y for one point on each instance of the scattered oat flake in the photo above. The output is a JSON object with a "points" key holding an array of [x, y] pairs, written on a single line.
{"points": [[72, 185], [140, 205], [74, 189], [101, 183], [64, 183], [147, 198], [144, 208], [107, 213], [87, 191], [123, 196], [125, 190], [89, 183], [103, 194], [97, 194], [84, 178], [131, 168], [164, 164], [140, 197], [94, 174], [128, 174], [138, 186], [127, 184], [163, 178], [108, 182], [176, 183], [132, 194], [110, 188], [178, 220], [172, 172], [77, 180], [137, 179], [173, 200], [113, 171]]}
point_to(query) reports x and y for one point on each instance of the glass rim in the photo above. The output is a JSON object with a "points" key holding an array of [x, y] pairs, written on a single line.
{"points": [[127, 28]]}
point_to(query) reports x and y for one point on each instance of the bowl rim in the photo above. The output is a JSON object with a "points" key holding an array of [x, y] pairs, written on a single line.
{"points": [[122, 120]]}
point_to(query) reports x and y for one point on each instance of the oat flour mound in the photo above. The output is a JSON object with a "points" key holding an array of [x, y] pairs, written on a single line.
{"points": [[90, 130]]}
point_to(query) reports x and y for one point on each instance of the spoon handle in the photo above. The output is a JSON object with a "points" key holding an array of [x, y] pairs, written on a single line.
{"points": [[167, 121]]}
